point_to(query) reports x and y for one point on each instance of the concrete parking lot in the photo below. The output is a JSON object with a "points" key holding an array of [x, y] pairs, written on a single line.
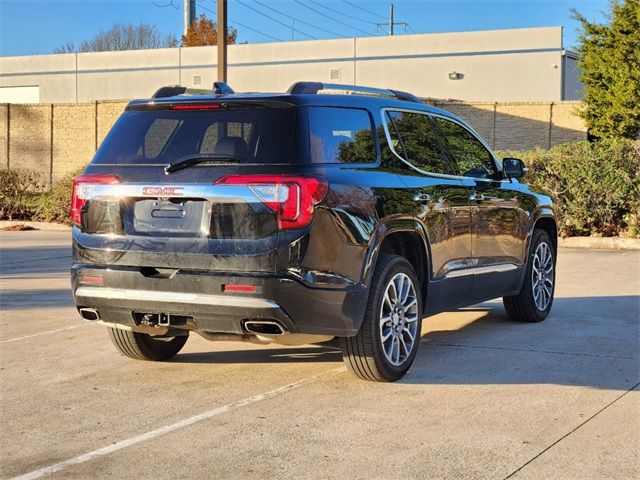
{"points": [[486, 398]]}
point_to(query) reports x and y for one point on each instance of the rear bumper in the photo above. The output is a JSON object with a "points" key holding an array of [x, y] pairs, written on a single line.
{"points": [[200, 296]]}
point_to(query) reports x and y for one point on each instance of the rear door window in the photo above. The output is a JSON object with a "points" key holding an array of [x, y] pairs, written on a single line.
{"points": [[341, 135], [417, 141]]}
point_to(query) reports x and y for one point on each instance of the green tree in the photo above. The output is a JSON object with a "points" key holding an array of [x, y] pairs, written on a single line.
{"points": [[610, 71]]}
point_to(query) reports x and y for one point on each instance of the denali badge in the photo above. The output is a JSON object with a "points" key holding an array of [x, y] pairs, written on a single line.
{"points": [[162, 191]]}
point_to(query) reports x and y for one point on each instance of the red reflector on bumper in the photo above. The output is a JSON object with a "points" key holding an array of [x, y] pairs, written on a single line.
{"points": [[239, 288], [92, 280]]}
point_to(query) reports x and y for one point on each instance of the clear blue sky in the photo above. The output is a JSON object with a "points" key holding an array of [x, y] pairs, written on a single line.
{"points": [[39, 26]]}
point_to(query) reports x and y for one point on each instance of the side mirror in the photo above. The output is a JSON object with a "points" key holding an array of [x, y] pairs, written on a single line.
{"points": [[513, 168]]}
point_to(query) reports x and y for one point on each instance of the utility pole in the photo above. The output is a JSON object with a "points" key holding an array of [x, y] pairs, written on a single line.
{"points": [[293, 29], [222, 40], [189, 13], [392, 23]]}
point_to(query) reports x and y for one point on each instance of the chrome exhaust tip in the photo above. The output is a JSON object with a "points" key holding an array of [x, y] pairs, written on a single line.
{"points": [[89, 314], [264, 327]]}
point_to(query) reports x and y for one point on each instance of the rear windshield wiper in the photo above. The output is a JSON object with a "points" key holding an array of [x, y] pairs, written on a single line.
{"points": [[192, 160]]}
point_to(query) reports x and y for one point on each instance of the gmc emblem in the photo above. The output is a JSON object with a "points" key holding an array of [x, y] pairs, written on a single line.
{"points": [[162, 191]]}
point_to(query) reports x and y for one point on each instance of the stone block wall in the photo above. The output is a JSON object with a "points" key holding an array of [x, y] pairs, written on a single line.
{"points": [[30, 132], [107, 114], [74, 137], [4, 136], [520, 125]]}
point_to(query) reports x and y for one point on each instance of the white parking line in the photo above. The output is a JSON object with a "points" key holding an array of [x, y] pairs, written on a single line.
{"points": [[46, 332], [86, 457]]}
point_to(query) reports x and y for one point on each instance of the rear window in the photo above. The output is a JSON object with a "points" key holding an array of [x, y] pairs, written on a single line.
{"points": [[254, 135], [341, 135]]}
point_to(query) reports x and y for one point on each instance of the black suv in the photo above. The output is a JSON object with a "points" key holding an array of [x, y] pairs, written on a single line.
{"points": [[328, 211]]}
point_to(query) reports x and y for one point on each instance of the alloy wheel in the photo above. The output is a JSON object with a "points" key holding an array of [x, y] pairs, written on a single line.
{"points": [[399, 319], [542, 276]]}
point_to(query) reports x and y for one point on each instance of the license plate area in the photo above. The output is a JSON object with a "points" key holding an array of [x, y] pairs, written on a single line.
{"points": [[166, 217]]}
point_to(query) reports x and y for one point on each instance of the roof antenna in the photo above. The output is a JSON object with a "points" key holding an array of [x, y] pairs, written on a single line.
{"points": [[221, 88]]}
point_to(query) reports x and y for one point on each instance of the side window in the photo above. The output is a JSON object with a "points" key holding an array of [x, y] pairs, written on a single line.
{"points": [[418, 140], [341, 135], [470, 157]]}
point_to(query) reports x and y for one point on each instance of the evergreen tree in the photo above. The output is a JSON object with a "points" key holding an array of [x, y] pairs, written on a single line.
{"points": [[610, 71]]}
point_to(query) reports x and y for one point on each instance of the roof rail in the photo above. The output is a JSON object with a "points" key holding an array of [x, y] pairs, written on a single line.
{"points": [[315, 87], [219, 88]]}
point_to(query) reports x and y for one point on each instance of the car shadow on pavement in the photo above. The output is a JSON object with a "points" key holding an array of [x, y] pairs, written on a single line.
{"points": [[591, 341], [327, 352]]}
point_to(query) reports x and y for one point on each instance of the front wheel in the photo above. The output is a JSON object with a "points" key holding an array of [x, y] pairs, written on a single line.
{"points": [[145, 347], [388, 339], [533, 302]]}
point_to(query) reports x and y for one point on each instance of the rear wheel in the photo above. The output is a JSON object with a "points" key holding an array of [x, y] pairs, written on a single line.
{"points": [[145, 347], [388, 340], [533, 302]]}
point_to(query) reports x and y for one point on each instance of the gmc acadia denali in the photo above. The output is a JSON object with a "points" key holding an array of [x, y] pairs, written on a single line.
{"points": [[328, 211]]}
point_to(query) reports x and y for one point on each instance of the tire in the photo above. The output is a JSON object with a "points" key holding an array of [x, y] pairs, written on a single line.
{"points": [[141, 346], [533, 304], [366, 355]]}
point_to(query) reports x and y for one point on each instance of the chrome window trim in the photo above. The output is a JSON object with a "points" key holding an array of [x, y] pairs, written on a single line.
{"points": [[383, 112]]}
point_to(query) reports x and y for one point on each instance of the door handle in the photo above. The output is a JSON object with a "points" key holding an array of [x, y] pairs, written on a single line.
{"points": [[476, 197], [421, 197]]}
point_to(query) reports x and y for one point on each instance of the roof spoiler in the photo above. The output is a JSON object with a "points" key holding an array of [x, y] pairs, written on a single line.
{"points": [[219, 88], [315, 87]]}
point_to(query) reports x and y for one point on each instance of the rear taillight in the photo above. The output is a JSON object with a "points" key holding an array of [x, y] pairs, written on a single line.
{"points": [[292, 197], [81, 188]]}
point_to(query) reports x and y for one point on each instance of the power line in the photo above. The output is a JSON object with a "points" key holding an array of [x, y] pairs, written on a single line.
{"points": [[363, 9], [341, 13], [168, 3], [275, 20], [256, 31], [244, 26], [332, 18], [298, 20]]}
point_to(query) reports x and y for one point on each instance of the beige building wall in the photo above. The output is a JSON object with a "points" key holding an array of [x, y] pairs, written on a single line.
{"points": [[108, 75], [496, 65], [55, 75]]}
